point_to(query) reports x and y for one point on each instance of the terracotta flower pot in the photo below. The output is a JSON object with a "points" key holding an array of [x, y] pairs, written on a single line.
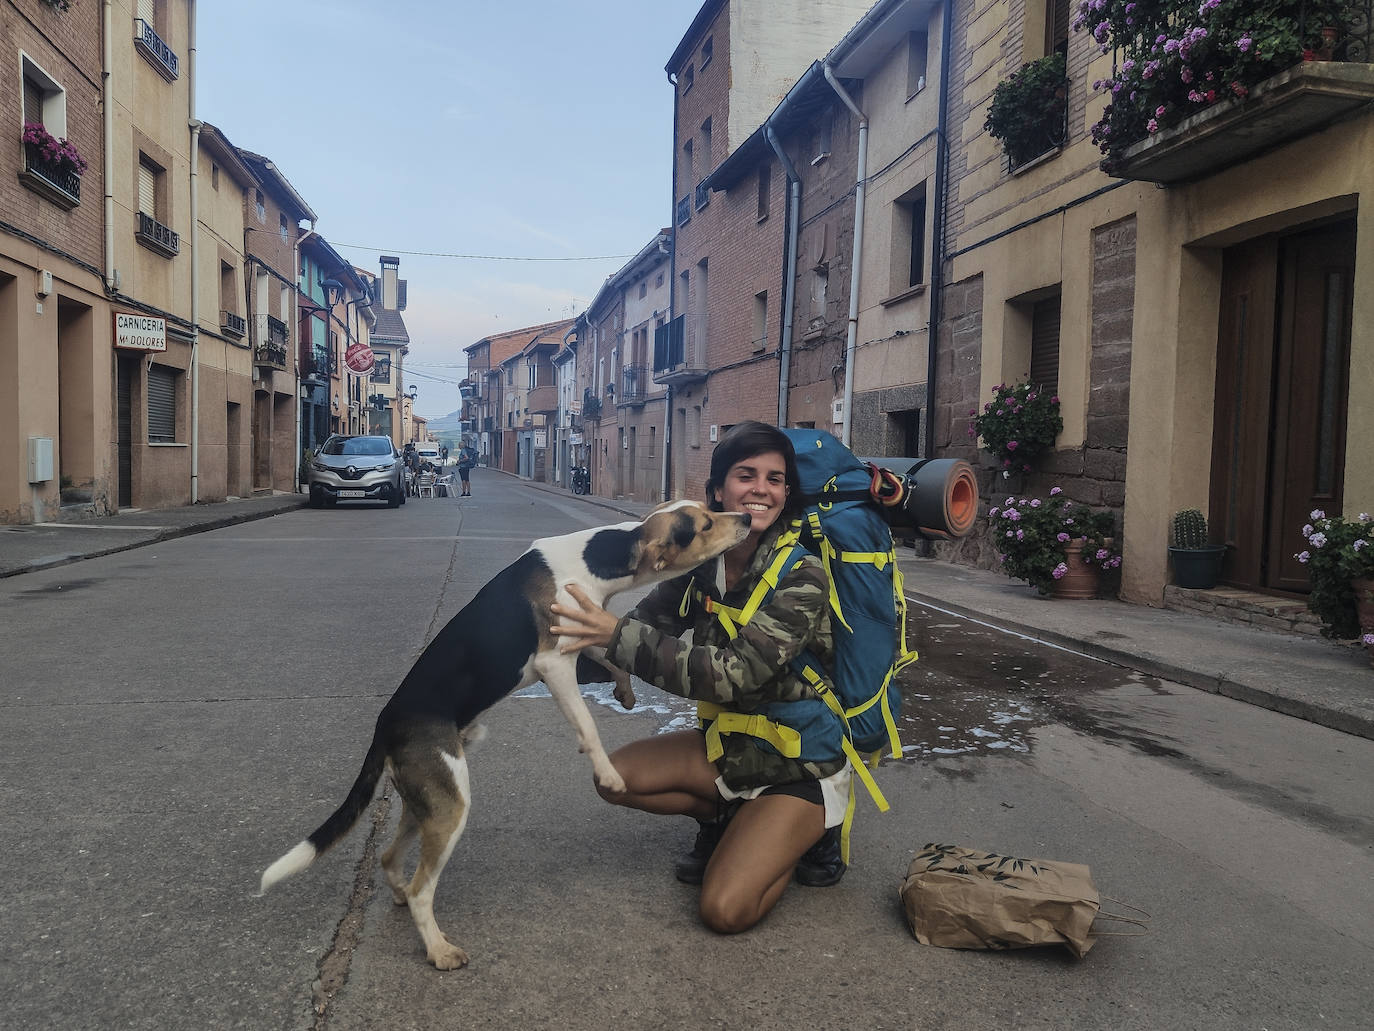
{"points": [[1364, 605], [1082, 579]]}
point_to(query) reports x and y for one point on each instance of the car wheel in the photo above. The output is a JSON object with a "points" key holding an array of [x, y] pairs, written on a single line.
{"points": [[315, 500], [393, 497]]}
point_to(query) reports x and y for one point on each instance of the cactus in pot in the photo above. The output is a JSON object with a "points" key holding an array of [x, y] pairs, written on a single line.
{"points": [[1197, 564]]}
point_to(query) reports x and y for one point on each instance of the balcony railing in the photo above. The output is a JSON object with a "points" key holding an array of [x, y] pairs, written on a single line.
{"points": [[234, 325], [62, 187], [272, 330], [680, 350], [634, 380], [158, 53], [591, 406], [684, 210], [156, 236], [270, 354], [318, 364], [703, 195]]}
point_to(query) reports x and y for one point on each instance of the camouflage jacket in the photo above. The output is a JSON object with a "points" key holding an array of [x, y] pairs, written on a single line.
{"points": [[740, 674]]}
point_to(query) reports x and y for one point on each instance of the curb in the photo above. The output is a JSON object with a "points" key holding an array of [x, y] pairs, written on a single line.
{"points": [[1213, 683], [165, 533]]}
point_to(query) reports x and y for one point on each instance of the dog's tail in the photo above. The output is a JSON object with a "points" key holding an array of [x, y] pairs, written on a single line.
{"points": [[338, 824]]}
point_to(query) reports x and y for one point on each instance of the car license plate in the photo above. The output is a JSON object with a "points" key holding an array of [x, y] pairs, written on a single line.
{"points": [[352, 493]]}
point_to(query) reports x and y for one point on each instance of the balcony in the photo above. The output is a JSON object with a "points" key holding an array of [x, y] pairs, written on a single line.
{"points": [[148, 43], [543, 400], [634, 379], [318, 364], [680, 351], [156, 236], [270, 355], [591, 406], [232, 324], [49, 180], [1298, 102], [684, 210]]}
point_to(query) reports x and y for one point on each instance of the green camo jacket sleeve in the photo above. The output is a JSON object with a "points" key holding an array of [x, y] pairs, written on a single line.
{"points": [[743, 673]]}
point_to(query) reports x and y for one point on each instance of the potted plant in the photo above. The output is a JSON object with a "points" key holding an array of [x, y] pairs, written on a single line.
{"points": [[1028, 109], [1340, 560], [1048, 541], [59, 155], [1018, 423], [1197, 564]]}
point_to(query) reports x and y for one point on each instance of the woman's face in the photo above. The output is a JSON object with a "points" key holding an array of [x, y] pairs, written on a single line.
{"points": [[756, 485]]}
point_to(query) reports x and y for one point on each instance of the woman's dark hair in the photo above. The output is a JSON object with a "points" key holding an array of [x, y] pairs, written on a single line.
{"points": [[743, 441]]}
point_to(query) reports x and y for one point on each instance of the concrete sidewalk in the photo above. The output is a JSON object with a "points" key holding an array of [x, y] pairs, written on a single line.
{"points": [[1325, 682], [28, 547]]}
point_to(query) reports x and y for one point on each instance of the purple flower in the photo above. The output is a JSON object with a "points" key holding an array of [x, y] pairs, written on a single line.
{"points": [[1035, 503], [1316, 513], [1307, 530], [1359, 544], [1020, 535], [1367, 639], [1056, 490], [1317, 540], [1245, 43], [993, 512], [1011, 533], [1012, 445], [1012, 514], [1059, 571], [1152, 126], [1303, 556], [1063, 538], [1101, 554]]}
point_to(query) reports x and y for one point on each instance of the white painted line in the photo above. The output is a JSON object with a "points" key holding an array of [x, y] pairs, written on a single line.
{"points": [[1004, 630], [94, 526]]}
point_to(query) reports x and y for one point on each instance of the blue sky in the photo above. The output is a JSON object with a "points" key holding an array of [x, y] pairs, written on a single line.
{"points": [[536, 129]]}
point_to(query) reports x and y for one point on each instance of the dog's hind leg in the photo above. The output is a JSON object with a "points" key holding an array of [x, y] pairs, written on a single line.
{"points": [[439, 797], [561, 678], [393, 859]]}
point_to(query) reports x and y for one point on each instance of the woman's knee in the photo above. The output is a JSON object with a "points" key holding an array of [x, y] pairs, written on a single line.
{"points": [[726, 915]]}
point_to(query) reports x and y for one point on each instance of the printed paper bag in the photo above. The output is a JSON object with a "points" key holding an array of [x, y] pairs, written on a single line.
{"points": [[960, 898]]}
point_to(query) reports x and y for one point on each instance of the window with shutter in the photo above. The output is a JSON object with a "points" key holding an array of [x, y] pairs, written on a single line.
{"points": [[147, 189], [162, 405], [1044, 364], [147, 9], [33, 101]]}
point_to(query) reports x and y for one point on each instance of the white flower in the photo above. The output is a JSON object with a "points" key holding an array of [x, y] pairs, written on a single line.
{"points": [[1359, 544], [1364, 517], [1006, 474]]}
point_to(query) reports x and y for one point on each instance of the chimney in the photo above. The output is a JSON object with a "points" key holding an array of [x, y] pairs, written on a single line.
{"points": [[390, 266]]}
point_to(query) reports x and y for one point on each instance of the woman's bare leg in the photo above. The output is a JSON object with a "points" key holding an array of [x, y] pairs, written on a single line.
{"points": [[755, 858], [668, 775]]}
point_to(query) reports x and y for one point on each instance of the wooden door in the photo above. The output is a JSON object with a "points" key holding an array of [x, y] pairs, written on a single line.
{"points": [[125, 371]]}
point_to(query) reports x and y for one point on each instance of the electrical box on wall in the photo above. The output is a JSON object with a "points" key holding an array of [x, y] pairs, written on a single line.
{"points": [[40, 459], [714, 432], [837, 410]]}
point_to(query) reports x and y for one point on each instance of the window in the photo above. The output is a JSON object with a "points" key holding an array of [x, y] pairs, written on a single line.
{"points": [[1057, 27], [162, 405], [643, 288], [765, 190], [689, 76], [904, 432], [262, 207], [708, 50], [760, 340], [909, 240], [214, 177], [706, 146], [45, 102], [1044, 357], [532, 376], [228, 288], [687, 176], [821, 140], [281, 222], [917, 47], [658, 281]]}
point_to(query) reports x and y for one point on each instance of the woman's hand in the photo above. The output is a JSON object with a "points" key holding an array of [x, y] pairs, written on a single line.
{"points": [[589, 625]]}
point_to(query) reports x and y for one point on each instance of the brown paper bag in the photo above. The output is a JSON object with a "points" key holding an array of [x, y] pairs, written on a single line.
{"points": [[960, 898]]}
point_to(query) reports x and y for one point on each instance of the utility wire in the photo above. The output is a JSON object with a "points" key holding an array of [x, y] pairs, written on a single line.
{"points": [[479, 257]]}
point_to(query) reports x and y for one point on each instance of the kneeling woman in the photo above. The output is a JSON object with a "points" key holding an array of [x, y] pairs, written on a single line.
{"points": [[762, 815]]}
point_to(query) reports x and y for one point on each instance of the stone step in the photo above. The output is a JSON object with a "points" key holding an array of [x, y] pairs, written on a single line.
{"points": [[1249, 608]]}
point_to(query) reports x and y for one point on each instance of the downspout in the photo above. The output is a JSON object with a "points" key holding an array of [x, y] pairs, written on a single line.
{"points": [[107, 80], [789, 267], [195, 125], [672, 304], [856, 264], [296, 364], [937, 264]]}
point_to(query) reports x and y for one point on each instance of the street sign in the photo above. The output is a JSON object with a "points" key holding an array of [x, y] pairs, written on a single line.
{"points": [[541, 439], [359, 358], [139, 332]]}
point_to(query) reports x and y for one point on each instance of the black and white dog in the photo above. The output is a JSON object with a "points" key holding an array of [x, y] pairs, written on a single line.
{"points": [[499, 643]]}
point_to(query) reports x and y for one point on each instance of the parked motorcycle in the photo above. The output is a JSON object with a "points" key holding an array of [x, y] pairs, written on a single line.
{"points": [[581, 480]]}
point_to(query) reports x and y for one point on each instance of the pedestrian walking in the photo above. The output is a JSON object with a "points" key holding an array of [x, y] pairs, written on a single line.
{"points": [[467, 458], [763, 817]]}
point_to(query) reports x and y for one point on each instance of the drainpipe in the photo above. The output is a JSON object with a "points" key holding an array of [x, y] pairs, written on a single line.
{"points": [[296, 364], [672, 304], [789, 267], [107, 81], [195, 125], [938, 257], [856, 264]]}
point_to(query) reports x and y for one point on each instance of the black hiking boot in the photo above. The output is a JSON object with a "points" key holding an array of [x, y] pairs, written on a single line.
{"points": [[821, 866], [691, 868]]}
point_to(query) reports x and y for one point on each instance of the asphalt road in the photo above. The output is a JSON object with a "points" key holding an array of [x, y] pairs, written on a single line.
{"points": [[175, 717]]}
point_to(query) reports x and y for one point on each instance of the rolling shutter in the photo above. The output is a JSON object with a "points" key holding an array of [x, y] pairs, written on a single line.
{"points": [[1044, 365], [162, 405], [147, 190], [33, 101]]}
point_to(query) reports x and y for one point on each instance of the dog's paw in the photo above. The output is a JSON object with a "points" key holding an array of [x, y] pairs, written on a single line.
{"points": [[624, 693], [612, 781], [448, 956]]}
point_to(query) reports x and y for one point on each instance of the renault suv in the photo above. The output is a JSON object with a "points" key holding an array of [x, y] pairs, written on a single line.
{"points": [[357, 469]]}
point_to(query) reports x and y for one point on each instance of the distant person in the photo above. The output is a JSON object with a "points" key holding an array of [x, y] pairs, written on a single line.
{"points": [[467, 458], [443, 455]]}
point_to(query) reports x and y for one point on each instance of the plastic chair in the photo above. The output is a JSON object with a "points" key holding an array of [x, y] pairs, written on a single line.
{"points": [[426, 484], [444, 486]]}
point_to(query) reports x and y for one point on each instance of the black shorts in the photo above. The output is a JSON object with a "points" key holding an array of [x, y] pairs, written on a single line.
{"points": [[463, 473], [806, 790]]}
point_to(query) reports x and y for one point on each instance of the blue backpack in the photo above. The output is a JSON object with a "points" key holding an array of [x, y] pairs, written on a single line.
{"points": [[843, 525]]}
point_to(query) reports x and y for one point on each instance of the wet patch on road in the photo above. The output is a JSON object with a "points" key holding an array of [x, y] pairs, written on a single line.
{"points": [[64, 587]]}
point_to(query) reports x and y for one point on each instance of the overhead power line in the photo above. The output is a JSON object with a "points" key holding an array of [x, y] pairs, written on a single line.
{"points": [[481, 257]]}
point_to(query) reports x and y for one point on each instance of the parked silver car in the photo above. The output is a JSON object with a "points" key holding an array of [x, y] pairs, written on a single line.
{"points": [[357, 469]]}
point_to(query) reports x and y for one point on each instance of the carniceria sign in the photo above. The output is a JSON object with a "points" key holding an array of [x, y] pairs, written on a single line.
{"points": [[139, 332]]}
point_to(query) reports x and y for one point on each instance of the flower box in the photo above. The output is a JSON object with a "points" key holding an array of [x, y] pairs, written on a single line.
{"points": [[1300, 101]]}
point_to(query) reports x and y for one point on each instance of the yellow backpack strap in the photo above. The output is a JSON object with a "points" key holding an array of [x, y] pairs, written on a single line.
{"points": [[786, 740]]}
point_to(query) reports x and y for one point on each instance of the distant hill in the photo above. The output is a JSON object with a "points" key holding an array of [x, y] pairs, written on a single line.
{"points": [[446, 426]]}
